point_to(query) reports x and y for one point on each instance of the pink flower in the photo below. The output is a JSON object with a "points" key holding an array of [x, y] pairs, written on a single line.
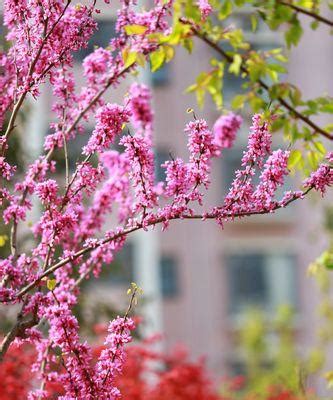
{"points": [[225, 130], [141, 160], [275, 169], [96, 64], [109, 123], [259, 142], [111, 359], [139, 103], [322, 178], [205, 8], [6, 171], [177, 178], [47, 191]]}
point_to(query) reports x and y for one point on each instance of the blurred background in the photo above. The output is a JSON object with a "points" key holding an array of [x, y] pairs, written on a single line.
{"points": [[200, 281]]}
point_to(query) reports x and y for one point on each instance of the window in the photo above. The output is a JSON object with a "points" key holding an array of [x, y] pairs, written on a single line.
{"points": [[161, 77], [161, 156], [101, 38], [260, 280], [169, 276]]}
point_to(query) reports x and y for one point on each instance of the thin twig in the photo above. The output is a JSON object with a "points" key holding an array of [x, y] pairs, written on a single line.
{"points": [[48, 156], [298, 115], [130, 305], [304, 11]]}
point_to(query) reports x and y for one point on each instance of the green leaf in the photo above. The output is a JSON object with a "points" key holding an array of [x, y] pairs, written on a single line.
{"points": [[3, 239], [295, 96], [320, 147], [238, 101], [51, 284], [169, 53], [225, 10], [314, 25], [188, 44], [281, 58], [293, 34], [200, 95], [294, 158], [236, 65], [327, 108], [157, 59], [135, 29], [129, 57], [326, 259], [254, 22]]}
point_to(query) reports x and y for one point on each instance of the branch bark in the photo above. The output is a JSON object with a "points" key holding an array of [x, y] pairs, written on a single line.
{"points": [[307, 12], [298, 115]]}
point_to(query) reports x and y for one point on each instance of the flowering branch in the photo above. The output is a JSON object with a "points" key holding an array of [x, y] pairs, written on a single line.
{"points": [[293, 111], [73, 215], [126, 231]]}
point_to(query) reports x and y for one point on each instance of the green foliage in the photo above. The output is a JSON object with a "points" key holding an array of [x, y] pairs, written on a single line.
{"points": [[268, 365], [210, 82], [231, 32]]}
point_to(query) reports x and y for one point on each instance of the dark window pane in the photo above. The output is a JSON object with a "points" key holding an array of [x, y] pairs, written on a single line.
{"points": [[161, 156], [161, 77], [247, 281], [169, 276]]}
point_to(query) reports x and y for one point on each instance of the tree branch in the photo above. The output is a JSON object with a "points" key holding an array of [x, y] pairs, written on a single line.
{"points": [[16, 109], [140, 225], [49, 154], [202, 36], [304, 11]]}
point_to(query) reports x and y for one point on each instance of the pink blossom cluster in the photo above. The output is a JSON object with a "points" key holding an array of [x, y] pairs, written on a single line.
{"points": [[139, 98], [43, 35], [109, 123], [205, 8], [141, 158], [225, 129], [111, 360], [322, 178], [6, 169]]}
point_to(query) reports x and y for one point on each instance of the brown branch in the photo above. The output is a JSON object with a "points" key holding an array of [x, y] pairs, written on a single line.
{"points": [[298, 115], [138, 226], [47, 156], [304, 11], [17, 330]]}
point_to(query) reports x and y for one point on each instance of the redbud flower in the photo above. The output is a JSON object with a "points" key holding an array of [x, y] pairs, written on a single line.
{"points": [[322, 178], [205, 8], [225, 130], [109, 123]]}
